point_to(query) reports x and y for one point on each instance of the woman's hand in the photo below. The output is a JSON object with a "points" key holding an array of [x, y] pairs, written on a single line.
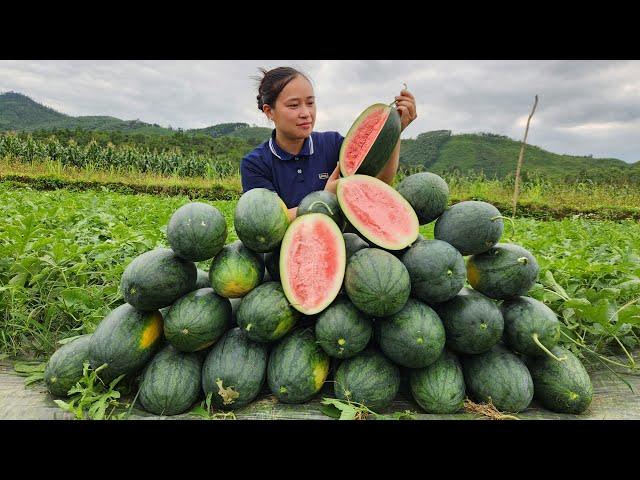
{"points": [[332, 182], [406, 107]]}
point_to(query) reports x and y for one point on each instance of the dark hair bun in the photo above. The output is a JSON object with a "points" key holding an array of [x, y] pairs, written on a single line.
{"points": [[272, 83]]}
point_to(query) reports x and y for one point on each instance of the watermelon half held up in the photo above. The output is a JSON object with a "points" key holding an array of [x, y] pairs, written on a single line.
{"points": [[313, 259], [378, 212], [370, 141]]}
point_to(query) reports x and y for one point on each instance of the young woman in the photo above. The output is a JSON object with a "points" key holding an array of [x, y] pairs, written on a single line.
{"points": [[296, 161]]}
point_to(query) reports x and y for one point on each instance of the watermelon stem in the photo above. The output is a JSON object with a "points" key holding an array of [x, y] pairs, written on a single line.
{"points": [[395, 101], [513, 224], [546, 350], [320, 201]]}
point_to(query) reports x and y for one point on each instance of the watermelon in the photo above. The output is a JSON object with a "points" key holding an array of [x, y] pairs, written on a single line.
{"points": [[126, 339], [471, 226], [197, 320], [353, 243], [234, 370], [378, 212], [504, 271], [342, 330], [527, 324], [197, 231], [439, 388], [322, 201], [436, 269], [265, 314], [157, 278], [297, 367], [236, 270], [368, 378], [261, 218], [272, 262], [370, 141], [202, 279], [498, 376], [413, 337], [312, 263], [171, 382], [563, 387], [473, 323], [427, 193], [65, 367], [377, 282]]}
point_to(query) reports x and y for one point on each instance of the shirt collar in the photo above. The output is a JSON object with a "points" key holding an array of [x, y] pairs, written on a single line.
{"points": [[307, 148]]}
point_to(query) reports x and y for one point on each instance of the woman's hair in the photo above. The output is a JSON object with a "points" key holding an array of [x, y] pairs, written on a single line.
{"points": [[272, 83]]}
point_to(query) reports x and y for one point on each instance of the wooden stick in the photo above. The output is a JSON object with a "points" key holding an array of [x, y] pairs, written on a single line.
{"points": [[520, 159]]}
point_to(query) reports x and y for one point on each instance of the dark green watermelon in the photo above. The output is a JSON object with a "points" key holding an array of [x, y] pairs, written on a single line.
{"points": [[427, 193], [473, 323], [563, 387], [342, 330], [297, 367], [498, 376], [322, 201], [470, 226], [236, 270], [436, 269], [126, 339], [504, 271], [65, 367], [353, 243], [157, 278], [527, 320], [261, 218], [368, 378], [272, 262], [197, 320], [265, 314], [439, 388], [376, 282], [197, 231], [413, 337], [171, 382], [234, 370], [202, 280]]}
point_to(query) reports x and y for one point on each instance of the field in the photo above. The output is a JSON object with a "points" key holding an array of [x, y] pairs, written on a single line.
{"points": [[62, 254]]}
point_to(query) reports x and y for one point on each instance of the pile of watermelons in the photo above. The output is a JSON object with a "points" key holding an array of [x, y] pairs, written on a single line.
{"points": [[348, 293]]}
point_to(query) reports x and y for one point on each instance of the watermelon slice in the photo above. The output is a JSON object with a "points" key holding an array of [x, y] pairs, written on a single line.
{"points": [[370, 141], [313, 259], [378, 212]]}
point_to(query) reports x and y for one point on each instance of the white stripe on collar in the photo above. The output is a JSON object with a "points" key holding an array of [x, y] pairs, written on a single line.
{"points": [[311, 144], [272, 149]]}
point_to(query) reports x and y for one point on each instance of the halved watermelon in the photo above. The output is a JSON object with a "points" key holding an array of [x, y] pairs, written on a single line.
{"points": [[313, 259], [378, 212], [370, 141]]}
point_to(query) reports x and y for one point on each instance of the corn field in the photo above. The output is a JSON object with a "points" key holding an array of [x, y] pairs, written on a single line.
{"points": [[120, 159]]}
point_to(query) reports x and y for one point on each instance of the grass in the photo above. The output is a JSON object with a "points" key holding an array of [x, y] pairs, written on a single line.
{"points": [[62, 254], [538, 198]]}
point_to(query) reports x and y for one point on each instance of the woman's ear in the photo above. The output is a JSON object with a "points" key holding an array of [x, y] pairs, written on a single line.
{"points": [[267, 111]]}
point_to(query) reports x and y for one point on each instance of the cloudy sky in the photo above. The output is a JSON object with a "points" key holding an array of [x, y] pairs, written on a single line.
{"points": [[585, 107]]}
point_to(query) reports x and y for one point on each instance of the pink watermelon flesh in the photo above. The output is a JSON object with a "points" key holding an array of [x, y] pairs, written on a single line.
{"points": [[361, 141], [313, 255], [378, 212]]}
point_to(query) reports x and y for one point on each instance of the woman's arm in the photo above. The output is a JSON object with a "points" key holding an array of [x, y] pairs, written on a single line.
{"points": [[390, 168], [293, 213]]}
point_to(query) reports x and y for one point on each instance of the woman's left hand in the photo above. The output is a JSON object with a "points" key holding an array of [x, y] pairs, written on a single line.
{"points": [[406, 107]]}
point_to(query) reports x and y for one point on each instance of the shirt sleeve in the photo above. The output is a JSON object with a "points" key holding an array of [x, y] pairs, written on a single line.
{"points": [[254, 174]]}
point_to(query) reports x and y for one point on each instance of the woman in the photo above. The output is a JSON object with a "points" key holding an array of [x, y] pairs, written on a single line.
{"points": [[296, 161]]}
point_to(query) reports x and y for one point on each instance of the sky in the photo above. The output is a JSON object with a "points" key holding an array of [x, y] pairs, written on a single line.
{"points": [[585, 107]]}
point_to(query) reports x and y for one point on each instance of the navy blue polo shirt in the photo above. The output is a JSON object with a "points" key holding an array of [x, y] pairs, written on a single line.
{"points": [[292, 177]]}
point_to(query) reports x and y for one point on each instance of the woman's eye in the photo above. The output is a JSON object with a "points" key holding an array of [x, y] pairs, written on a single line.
{"points": [[293, 106]]}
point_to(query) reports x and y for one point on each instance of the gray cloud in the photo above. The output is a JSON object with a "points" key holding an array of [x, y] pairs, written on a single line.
{"points": [[585, 107]]}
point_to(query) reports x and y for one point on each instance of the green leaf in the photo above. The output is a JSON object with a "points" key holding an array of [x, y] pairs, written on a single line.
{"points": [[548, 276], [76, 296], [330, 411], [20, 279]]}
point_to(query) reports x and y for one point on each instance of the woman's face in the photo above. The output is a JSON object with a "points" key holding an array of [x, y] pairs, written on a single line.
{"points": [[294, 114]]}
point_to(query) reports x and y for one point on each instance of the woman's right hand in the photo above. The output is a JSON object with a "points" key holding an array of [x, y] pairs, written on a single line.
{"points": [[332, 182]]}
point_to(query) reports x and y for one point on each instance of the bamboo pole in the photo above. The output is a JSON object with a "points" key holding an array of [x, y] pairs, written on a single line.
{"points": [[520, 160]]}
